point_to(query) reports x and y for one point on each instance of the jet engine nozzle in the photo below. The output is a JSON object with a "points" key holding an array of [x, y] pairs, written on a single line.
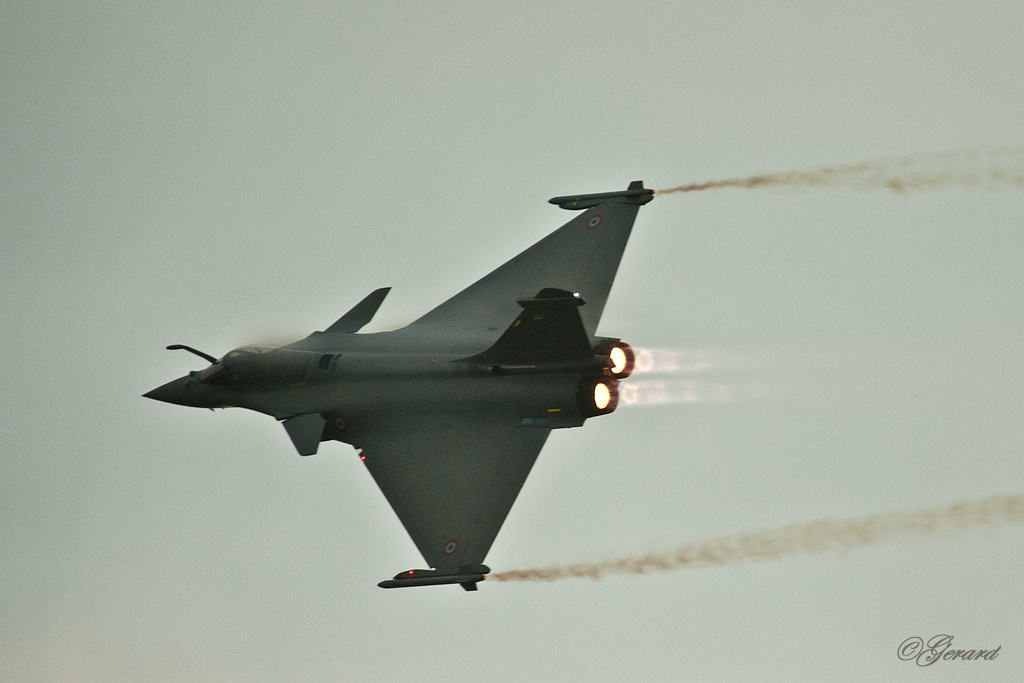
{"points": [[598, 396], [618, 357]]}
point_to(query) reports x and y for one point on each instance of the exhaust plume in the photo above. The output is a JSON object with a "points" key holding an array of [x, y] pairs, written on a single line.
{"points": [[658, 392], [818, 536], [993, 169], [686, 361], [716, 376]]}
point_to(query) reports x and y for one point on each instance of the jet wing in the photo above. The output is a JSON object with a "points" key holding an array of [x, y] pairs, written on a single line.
{"points": [[580, 257], [451, 479]]}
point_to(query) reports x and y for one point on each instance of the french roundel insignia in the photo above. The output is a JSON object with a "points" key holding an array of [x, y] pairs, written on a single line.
{"points": [[450, 547], [594, 222]]}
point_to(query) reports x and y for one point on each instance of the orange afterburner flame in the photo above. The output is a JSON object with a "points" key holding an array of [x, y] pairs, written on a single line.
{"points": [[818, 536], [992, 169]]}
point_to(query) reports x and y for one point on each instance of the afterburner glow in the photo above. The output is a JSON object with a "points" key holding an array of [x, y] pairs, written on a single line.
{"points": [[618, 359], [602, 397]]}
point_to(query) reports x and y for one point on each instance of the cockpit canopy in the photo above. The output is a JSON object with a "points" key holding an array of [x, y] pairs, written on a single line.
{"points": [[259, 365]]}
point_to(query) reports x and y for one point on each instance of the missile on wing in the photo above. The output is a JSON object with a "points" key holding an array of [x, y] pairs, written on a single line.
{"points": [[636, 193], [467, 578]]}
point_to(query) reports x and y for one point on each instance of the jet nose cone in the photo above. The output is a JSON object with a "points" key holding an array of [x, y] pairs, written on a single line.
{"points": [[173, 392]]}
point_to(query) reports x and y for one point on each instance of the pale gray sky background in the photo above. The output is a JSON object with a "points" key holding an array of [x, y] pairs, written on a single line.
{"points": [[215, 174]]}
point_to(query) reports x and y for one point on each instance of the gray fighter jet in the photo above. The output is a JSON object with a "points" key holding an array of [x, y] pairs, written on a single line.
{"points": [[450, 412]]}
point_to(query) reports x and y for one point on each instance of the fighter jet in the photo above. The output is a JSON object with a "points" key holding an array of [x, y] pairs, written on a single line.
{"points": [[449, 413]]}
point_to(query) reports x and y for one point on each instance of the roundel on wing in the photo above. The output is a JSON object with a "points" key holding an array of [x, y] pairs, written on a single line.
{"points": [[450, 547], [594, 222]]}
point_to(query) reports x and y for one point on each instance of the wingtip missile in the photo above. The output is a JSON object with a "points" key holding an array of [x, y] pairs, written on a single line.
{"points": [[636, 193], [467, 577]]}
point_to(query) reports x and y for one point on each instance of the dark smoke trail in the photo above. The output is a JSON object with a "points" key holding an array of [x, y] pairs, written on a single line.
{"points": [[818, 536], [993, 169]]}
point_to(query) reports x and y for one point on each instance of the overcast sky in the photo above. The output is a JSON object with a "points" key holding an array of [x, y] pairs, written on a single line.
{"points": [[221, 174]]}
